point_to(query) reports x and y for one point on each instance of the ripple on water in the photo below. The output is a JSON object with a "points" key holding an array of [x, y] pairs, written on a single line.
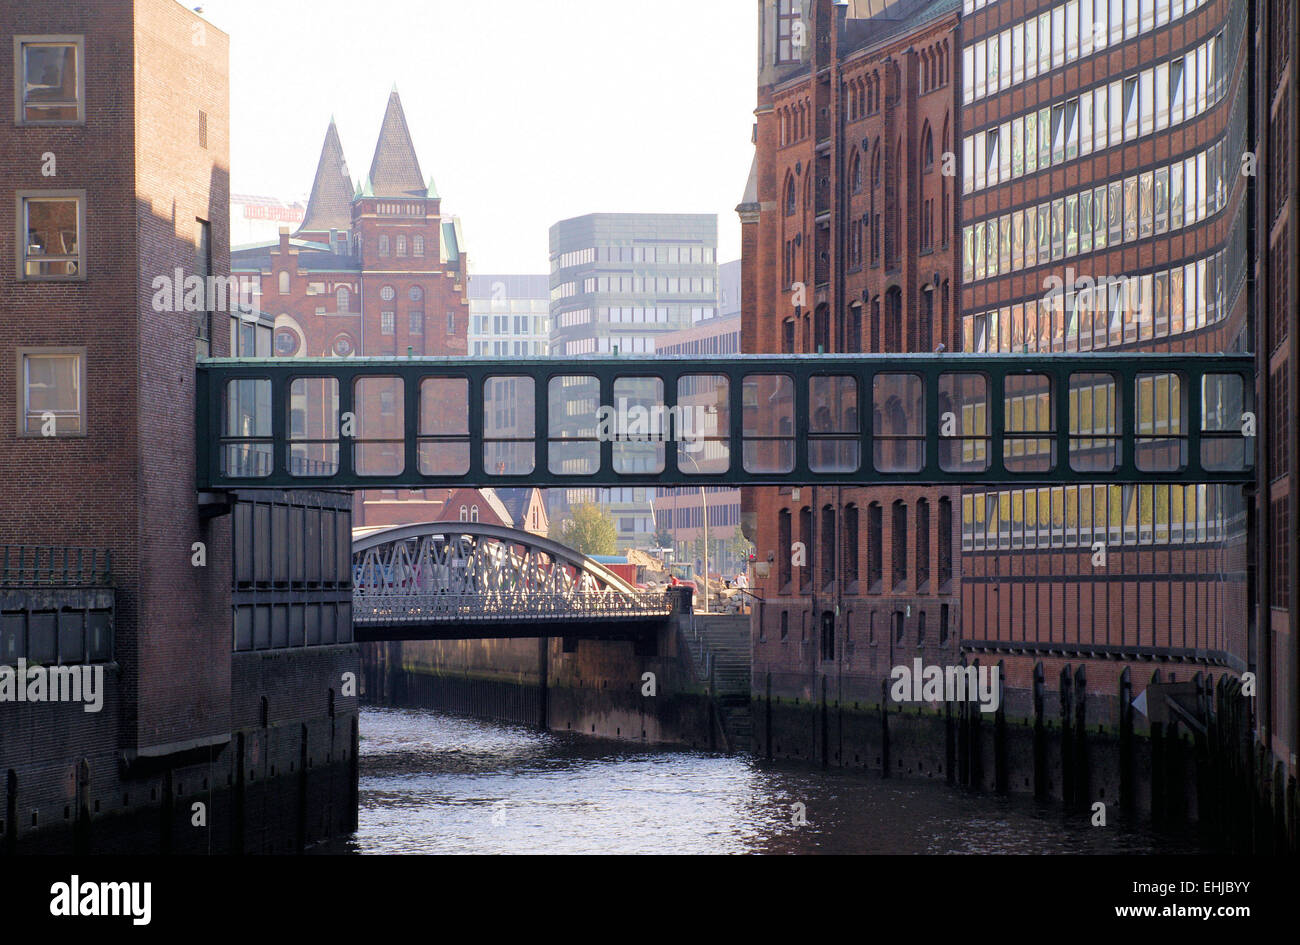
{"points": [[434, 783]]}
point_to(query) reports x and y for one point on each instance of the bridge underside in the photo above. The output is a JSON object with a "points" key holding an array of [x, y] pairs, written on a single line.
{"points": [[641, 630]]}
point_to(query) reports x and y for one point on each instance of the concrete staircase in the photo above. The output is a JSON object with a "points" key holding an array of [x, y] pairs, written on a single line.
{"points": [[720, 645]]}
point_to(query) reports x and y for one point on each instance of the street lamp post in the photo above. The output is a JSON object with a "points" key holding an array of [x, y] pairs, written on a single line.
{"points": [[704, 501]]}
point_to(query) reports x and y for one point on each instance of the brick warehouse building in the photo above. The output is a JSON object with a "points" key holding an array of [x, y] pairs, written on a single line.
{"points": [[374, 270], [847, 199], [1277, 340], [1151, 106], [130, 101], [1104, 140]]}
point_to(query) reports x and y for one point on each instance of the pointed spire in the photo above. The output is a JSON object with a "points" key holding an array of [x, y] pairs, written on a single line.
{"points": [[395, 170], [330, 204], [432, 188]]}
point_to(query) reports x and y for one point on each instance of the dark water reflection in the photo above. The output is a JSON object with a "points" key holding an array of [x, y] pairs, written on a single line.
{"points": [[432, 783]]}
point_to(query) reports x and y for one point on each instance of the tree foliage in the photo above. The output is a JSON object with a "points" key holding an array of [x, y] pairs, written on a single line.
{"points": [[588, 529]]}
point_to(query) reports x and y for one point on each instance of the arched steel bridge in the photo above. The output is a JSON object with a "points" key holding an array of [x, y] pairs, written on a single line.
{"points": [[462, 580]]}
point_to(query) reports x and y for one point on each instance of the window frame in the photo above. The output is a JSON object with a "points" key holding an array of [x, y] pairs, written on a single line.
{"points": [[52, 39], [20, 233], [20, 400]]}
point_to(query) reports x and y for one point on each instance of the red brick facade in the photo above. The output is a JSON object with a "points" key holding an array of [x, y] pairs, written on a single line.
{"points": [[374, 270], [1172, 592], [156, 76], [847, 247]]}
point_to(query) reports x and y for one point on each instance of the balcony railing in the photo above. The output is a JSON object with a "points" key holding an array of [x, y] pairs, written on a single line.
{"points": [[55, 566]]}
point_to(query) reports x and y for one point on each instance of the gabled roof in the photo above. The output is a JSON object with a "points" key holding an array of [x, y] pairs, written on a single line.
{"points": [[395, 170], [516, 502], [330, 204]]}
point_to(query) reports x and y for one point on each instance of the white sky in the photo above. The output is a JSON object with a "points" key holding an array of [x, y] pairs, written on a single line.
{"points": [[525, 112]]}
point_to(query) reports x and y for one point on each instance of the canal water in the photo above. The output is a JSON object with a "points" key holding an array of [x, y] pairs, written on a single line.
{"points": [[434, 783]]}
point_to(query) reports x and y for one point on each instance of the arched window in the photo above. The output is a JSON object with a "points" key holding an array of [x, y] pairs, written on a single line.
{"points": [[464, 513], [875, 548], [850, 549], [790, 204], [945, 542], [783, 541], [922, 544], [473, 513], [284, 283], [927, 148], [827, 546], [383, 245], [419, 245], [899, 555], [805, 537], [855, 173], [401, 246], [343, 296]]}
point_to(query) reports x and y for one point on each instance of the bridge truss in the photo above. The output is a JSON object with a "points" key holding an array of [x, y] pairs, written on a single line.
{"points": [[450, 579]]}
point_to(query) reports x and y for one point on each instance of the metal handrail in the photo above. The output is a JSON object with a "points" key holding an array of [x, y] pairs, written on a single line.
{"points": [[502, 606], [55, 566]]}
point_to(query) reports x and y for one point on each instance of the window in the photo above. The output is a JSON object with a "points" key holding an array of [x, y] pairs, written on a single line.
{"points": [[51, 86], [850, 550], [945, 548], [386, 320], [344, 298], [828, 635], [51, 384], [922, 544], [388, 293], [784, 541], [875, 548], [899, 555], [788, 40], [418, 245], [805, 537], [383, 245], [203, 269], [50, 224], [401, 246], [451, 323], [417, 323]]}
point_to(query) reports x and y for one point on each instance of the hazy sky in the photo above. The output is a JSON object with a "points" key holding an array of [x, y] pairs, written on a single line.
{"points": [[524, 111]]}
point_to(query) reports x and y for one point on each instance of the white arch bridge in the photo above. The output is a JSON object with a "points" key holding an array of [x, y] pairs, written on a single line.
{"points": [[467, 580]]}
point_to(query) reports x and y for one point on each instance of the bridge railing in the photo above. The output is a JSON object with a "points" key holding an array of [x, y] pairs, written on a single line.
{"points": [[374, 423], [502, 606]]}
